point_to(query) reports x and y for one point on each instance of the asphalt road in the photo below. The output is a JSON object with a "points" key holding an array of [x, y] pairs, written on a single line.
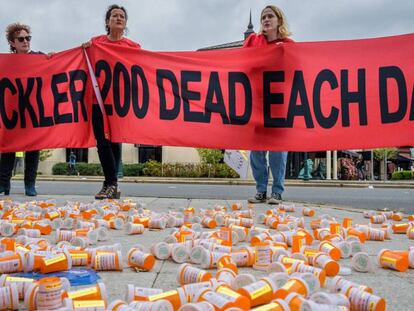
{"points": [[363, 198]]}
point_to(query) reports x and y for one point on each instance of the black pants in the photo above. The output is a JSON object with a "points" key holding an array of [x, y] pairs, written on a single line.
{"points": [[109, 153], [31, 163]]}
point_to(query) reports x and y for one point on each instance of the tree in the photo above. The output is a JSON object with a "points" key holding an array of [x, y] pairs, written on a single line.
{"points": [[210, 156], [379, 154], [44, 154]]}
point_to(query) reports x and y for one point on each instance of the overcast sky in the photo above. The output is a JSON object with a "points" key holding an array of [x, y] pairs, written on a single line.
{"points": [[171, 25]]}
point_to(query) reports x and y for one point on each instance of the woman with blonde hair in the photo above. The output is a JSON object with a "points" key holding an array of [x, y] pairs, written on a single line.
{"points": [[273, 30]]}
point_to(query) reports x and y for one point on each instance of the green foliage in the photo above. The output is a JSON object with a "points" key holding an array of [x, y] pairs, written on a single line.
{"points": [[61, 168], [156, 169], [152, 168], [89, 169], [390, 152], [133, 169], [408, 175], [44, 154], [222, 170], [399, 175], [210, 156]]}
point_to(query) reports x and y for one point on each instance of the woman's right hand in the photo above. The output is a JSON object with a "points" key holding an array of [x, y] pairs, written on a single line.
{"points": [[87, 44]]}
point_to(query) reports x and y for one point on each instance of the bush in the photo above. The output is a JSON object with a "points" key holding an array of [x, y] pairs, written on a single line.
{"points": [[60, 169], [89, 169], [210, 156], [222, 170], [86, 169], [152, 168], [407, 174], [133, 169], [398, 175], [189, 170], [156, 169]]}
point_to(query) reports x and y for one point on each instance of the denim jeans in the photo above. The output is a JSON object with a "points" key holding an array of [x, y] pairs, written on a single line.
{"points": [[277, 163]]}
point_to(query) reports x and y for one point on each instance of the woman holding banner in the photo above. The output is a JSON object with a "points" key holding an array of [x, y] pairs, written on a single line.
{"points": [[109, 153], [18, 36], [274, 30]]}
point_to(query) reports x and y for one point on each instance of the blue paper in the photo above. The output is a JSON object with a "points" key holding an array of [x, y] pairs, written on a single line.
{"points": [[76, 276]]}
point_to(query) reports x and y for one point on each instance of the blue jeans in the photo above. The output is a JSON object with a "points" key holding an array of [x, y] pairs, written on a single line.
{"points": [[277, 163]]}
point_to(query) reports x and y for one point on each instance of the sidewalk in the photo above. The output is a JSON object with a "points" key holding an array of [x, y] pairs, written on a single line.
{"points": [[394, 286], [408, 184]]}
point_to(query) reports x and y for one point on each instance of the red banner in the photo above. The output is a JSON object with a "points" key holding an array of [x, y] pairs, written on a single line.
{"points": [[295, 97], [43, 101]]}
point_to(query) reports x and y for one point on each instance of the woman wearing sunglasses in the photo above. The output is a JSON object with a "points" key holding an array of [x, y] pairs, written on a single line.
{"points": [[18, 36], [109, 153]]}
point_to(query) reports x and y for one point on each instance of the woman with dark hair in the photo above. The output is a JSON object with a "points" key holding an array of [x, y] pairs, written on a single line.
{"points": [[109, 153], [273, 30], [18, 36]]}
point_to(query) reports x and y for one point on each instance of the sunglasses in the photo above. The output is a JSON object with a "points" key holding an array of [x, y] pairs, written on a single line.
{"points": [[21, 39]]}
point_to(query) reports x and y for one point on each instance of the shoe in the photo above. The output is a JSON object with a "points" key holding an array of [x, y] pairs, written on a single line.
{"points": [[108, 192], [5, 189], [30, 189], [112, 192], [102, 193], [275, 198], [260, 197]]}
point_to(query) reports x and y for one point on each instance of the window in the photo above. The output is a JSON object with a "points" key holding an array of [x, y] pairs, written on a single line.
{"points": [[148, 152]]}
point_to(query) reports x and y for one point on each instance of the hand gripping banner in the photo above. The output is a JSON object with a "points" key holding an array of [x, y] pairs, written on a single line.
{"points": [[44, 103], [296, 97]]}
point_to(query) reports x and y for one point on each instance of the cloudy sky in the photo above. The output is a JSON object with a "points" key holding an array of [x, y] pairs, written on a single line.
{"points": [[171, 25]]}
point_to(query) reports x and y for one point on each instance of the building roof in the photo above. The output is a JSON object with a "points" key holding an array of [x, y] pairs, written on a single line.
{"points": [[230, 45], [234, 44]]}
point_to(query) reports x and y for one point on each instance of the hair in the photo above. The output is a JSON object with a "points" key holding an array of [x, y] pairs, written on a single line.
{"points": [[108, 15], [12, 30], [283, 28]]}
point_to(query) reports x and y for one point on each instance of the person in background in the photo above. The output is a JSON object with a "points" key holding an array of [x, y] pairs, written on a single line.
{"points": [[360, 165], [72, 164], [274, 30], [19, 37], [109, 153], [18, 163]]}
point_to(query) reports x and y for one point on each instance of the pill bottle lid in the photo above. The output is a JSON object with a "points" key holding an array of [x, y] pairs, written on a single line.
{"points": [[130, 293], [242, 280], [116, 304], [365, 266], [311, 280], [283, 303], [276, 267], [260, 267], [344, 271], [102, 289], [279, 278]]}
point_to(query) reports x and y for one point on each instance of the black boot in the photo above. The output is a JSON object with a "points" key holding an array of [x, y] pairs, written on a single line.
{"points": [[30, 189], [112, 192], [5, 188], [102, 193]]}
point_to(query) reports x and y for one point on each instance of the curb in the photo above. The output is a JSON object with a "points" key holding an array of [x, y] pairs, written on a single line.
{"points": [[227, 181]]}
